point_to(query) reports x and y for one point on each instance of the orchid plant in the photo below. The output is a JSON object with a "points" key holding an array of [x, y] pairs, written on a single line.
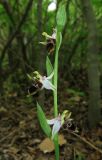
{"points": [[53, 43]]}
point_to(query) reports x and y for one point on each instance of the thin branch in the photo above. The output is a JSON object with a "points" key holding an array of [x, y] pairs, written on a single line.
{"points": [[29, 5], [87, 142], [8, 10]]}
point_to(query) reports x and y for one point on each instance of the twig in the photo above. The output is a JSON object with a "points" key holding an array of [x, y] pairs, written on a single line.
{"points": [[87, 142]]}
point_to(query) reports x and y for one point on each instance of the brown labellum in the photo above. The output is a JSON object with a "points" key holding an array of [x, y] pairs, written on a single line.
{"points": [[35, 88], [50, 46]]}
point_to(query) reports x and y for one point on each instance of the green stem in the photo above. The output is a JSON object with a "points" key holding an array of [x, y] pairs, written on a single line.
{"points": [[56, 147], [55, 104], [55, 84], [55, 94], [58, 43]]}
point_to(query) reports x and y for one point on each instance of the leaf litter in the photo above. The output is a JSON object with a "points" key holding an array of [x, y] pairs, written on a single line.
{"points": [[21, 137]]}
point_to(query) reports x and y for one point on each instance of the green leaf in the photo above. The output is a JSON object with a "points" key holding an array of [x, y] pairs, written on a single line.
{"points": [[58, 40], [61, 16], [42, 119], [49, 66]]}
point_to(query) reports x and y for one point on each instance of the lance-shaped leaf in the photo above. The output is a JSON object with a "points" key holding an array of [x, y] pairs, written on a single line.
{"points": [[43, 122], [58, 40], [49, 66], [61, 16]]}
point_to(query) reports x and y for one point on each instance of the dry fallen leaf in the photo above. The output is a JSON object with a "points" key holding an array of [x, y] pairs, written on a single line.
{"points": [[47, 144], [62, 140]]}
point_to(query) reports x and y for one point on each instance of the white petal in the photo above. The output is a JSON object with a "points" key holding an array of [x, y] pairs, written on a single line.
{"points": [[51, 75], [54, 35], [56, 128], [52, 121], [48, 85]]}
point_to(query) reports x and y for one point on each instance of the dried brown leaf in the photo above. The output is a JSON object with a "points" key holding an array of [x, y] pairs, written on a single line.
{"points": [[47, 144]]}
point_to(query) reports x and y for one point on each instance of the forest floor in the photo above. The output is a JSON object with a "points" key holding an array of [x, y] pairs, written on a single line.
{"points": [[21, 137]]}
